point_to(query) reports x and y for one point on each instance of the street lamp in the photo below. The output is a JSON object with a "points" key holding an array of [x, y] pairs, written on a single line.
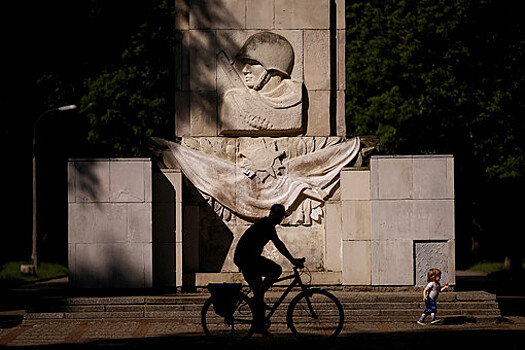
{"points": [[34, 260]]}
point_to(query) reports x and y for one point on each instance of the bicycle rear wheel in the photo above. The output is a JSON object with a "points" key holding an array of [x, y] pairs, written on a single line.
{"points": [[234, 328], [315, 314]]}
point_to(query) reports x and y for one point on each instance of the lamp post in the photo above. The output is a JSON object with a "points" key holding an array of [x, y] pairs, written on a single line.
{"points": [[34, 259]]}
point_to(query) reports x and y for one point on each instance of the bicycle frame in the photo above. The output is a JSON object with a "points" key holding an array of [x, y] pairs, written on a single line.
{"points": [[296, 281], [244, 314]]}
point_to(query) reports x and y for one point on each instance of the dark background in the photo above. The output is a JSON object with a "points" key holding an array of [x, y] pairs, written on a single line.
{"points": [[426, 77]]}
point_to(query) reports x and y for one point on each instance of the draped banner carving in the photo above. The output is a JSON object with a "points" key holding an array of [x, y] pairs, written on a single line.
{"points": [[247, 175]]}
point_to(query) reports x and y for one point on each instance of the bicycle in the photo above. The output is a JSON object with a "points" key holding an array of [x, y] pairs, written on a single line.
{"points": [[313, 313]]}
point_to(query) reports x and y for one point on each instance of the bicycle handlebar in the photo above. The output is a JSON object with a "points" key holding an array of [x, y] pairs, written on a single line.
{"points": [[300, 264]]}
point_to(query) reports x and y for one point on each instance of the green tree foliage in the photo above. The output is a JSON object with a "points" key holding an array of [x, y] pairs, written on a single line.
{"points": [[124, 82], [131, 99], [114, 59], [440, 76]]}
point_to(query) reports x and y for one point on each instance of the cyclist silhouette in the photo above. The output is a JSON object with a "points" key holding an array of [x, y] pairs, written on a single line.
{"points": [[254, 266]]}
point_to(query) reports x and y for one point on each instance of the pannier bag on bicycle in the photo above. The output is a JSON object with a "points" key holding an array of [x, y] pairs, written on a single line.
{"points": [[224, 297]]}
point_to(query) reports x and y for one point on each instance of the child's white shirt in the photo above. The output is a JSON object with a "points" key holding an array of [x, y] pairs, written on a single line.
{"points": [[434, 290]]}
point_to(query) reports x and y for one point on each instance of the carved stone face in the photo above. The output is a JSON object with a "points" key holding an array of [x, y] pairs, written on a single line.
{"points": [[261, 99], [271, 50], [254, 74]]}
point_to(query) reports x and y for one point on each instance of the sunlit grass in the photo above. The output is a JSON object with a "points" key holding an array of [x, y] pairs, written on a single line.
{"points": [[11, 271], [489, 267]]}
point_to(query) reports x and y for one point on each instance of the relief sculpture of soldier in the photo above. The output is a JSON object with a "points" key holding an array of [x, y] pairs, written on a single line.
{"points": [[263, 100]]}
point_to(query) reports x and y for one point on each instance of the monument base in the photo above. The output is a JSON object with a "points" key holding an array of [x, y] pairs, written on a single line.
{"points": [[382, 226]]}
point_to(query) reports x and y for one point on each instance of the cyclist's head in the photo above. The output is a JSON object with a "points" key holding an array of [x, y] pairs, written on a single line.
{"points": [[277, 213]]}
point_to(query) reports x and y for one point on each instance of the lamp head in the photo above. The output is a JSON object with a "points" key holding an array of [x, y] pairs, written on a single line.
{"points": [[67, 108]]}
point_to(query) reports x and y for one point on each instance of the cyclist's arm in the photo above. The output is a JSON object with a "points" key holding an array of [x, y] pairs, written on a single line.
{"points": [[282, 248], [284, 251]]}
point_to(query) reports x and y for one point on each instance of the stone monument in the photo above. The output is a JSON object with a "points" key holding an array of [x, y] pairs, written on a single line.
{"points": [[260, 114], [260, 119]]}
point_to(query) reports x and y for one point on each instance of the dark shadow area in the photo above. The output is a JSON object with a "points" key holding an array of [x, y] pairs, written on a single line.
{"points": [[52, 296], [477, 282], [418, 339], [10, 321], [509, 290], [500, 283], [511, 305], [214, 237], [78, 42], [164, 231], [457, 320], [83, 179], [333, 68], [195, 62], [15, 297], [425, 338], [306, 107], [119, 272]]}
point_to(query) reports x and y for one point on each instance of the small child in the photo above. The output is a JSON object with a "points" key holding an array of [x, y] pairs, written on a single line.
{"points": [[430, 295]]}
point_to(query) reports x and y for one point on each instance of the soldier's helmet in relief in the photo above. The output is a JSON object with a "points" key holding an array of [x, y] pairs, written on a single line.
{"points": [[271, 50]]}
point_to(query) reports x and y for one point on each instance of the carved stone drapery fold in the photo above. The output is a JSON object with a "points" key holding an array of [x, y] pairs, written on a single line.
{"points": [[247, 176]]}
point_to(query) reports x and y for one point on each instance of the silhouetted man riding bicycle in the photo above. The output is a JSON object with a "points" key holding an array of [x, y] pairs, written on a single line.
{"points": [[254, 266]]}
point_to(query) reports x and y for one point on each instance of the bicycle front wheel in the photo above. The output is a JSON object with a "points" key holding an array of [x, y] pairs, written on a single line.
{"points": [[315, 313], [234, 328]]}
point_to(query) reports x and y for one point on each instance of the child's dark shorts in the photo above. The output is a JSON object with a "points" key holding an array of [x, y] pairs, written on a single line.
{"points": [[430, 307]]}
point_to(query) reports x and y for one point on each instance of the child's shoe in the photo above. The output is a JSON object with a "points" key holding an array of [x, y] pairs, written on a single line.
{"points": [[434, 321], [421, 322]]}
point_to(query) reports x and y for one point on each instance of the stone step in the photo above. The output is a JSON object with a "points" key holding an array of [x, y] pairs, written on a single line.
{"points": [[358, 306], [188, 298], [277, 319], [184, 309], [79, 308]]}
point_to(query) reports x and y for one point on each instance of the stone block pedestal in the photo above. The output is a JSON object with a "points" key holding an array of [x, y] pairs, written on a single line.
{"points": [[398, 220], [385, 226], [110, 223]]}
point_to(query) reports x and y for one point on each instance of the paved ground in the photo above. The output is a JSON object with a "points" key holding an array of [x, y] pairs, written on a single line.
{"points": [[138, 334]]}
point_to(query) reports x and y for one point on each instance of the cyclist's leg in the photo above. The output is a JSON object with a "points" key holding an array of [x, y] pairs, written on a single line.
{"points": [[271, 272], [254, 279], [253, 271]]}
